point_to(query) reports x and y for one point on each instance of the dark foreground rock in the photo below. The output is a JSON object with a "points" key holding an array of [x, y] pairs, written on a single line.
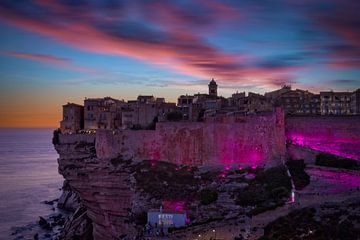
{"points": [[328, 221], [78, 226], [69, 199]]}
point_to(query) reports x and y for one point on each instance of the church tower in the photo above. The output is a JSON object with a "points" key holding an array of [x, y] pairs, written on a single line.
{"points": [[213, 88]]}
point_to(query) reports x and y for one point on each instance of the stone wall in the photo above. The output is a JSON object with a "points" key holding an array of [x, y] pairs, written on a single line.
{"points": [[338, 135], [247, 140]]}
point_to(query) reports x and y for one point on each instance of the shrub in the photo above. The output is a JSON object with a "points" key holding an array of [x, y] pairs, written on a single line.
{"points": [[208, 196], [279, 192], [152, 125], [274, 177], [329, 160], [297, 170], [140, 218], [56, 138], [174, 116]]}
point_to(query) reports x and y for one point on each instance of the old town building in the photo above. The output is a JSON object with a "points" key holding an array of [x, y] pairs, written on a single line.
{"points": [[335, 103], [73, 118]]}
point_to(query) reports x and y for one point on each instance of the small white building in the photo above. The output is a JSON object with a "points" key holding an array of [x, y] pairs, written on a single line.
{"points": [[166, 219]]}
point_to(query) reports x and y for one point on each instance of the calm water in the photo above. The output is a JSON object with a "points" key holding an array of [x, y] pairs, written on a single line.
{"points": [[28, 176]]}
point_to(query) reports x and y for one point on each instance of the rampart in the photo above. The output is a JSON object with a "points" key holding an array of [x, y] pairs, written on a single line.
{"points": [[338, 135], [246, 140]]}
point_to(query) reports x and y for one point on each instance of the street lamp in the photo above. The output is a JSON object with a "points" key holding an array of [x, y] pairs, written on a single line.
{"points": [[214, 233]]}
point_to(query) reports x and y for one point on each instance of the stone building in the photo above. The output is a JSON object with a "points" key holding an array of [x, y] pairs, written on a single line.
{"points": [[355, 102], [213, 88], [146, 99], [145, 111], [237, 100], [257, 103], [102, 113], [277, 93], [184, 103], [335, 103], [295, 102], [73, 118]]}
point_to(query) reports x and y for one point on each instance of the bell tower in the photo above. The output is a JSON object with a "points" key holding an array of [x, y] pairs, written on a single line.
{"points": [[213, 88]]}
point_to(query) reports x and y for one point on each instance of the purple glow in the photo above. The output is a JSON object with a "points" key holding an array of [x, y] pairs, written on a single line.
{"points": [[174, 206], [292, 196], [187, 220], [344, 143], [222, 175], [333, 180], [250, 175]]}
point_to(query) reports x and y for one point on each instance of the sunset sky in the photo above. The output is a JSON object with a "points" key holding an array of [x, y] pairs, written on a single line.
{"points": [[53, 52]]}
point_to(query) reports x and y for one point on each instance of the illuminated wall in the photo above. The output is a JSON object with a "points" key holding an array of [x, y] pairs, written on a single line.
{"points": [[335, 135], [232, 141]]}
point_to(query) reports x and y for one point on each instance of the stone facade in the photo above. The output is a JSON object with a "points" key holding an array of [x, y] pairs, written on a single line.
{"points": [[335, 103], [102, 113], [355, 102], [73, 118]]}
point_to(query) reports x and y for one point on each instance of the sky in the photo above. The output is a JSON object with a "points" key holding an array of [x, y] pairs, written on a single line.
{"points": [[58, 51]]}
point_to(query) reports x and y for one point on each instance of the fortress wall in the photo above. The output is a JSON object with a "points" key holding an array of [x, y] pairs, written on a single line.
{"points": [[250, 140], [338, 135]]}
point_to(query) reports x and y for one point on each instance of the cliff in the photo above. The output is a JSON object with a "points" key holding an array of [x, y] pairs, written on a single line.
{"points": [[117, 192], [105, 193], [119, 175]]}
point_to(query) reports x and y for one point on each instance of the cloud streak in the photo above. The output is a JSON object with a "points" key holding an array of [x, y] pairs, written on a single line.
{"points": [[52, 60], [168, 40]]}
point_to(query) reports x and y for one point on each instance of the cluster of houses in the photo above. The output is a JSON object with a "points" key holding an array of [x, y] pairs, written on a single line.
{"points": [[145, 111]]}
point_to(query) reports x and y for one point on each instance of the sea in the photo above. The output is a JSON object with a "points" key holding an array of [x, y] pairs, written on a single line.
{"points": [[28, 177]]}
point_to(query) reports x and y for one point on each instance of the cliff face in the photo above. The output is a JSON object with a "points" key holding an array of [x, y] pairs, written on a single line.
{"points": [[106, 193]]}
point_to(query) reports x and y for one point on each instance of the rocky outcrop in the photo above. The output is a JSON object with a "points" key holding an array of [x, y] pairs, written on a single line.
{"points": [[105, 190], [69, 199], [117, 192], [77, 226]]}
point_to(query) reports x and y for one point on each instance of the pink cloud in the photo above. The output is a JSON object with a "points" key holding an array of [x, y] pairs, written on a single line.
{"points": [[51, 60], [183, 51]]}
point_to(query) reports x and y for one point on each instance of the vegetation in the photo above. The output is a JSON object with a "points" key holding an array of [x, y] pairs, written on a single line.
{"points": [[174, 116], [56, 138], [140, 219], [208, 196], [297, 170], [152, 125], [329, 160], [311, 223], [166, 180], [268, 190]]}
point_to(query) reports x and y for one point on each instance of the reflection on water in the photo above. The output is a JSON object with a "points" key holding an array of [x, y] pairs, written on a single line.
{"points": [[28, 176]]}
